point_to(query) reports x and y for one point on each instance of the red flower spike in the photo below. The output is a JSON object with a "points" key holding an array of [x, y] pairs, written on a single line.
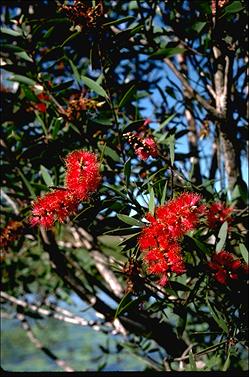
{"points": [[218, 213], [159, 240], [42, 107], [226, 267], [82, 177], [56, 205]]}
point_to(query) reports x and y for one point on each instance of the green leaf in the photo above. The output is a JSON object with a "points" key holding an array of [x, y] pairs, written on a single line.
{"points": [[127, 302], [167, 52], [201, 245], [198, 26], [234, 7], [22, 79], [40, 120], [164, 193], [71, 37], [127, 96], [227, 363], [164, 123], [123, 303], [127, 171], [104, 121], [23, 55], [152, 201], [129, 220], [75, 71], [56, 127], [46, 176], [9, 47], [192, 362], [27, 184], [181, 324], [217, 316], [120, 21], [222, 235], [9, 31], [172, 148], [94, 86], [244, 252], [107, 151]]}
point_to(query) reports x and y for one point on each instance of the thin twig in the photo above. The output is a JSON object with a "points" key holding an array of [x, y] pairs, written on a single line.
{"points": [[212, 110], [66, 316], [9, 201]]}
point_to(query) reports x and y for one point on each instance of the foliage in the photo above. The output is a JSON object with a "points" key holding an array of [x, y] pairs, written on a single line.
{"points": [[157, 91]]}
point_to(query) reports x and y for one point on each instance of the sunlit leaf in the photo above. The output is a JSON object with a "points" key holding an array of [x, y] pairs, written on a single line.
{"points": [[46, 176], [22, 79], [152, 200], [129, 220], [222, 235], [244, 252]]}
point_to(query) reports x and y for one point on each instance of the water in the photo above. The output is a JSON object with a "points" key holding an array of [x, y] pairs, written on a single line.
{"points": [[83, 348]]}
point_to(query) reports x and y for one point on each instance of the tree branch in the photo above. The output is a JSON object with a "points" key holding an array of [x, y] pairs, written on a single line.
{"points": [[209, 108], [61, 363]]}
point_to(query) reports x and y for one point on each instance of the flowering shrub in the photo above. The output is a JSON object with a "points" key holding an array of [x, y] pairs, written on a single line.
{"points": [[123, 163]]}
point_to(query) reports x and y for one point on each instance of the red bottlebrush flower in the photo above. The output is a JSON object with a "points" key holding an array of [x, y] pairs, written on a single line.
{"points": [[142, 153], [144, 147], [181, 215], [42, 107], [226, 267], [218, 213], [175, 259], [82, 177], [159, 240], [56, 205]]}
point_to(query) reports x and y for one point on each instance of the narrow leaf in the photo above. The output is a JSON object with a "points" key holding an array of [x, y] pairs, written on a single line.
{"points": [[9, 31], [164, 193], [217, 316], [27, 184], [23, 55], [164, 123], [109, 152], [75, 71], [46, 176], [127, 96], [71, 37], [129, 220], [152, 201], [94, 86], [120, 21], [222, 235], [22, 79], [167, 52], [227, 363], [244, 252]]}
